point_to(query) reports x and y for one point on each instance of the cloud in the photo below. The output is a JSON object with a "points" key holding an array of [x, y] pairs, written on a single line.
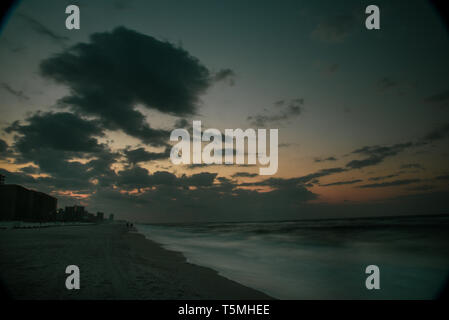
{"points": [[3, 146], [182, 124], [412, 166], [16, 93], [5, 151], [117, 70], [390, 184], [441, 98], [62, 131], [424, 187], [325, 159], [30, 170], [53, 142], [386, 83], [334, 29], [141, 155], [244, 174], [138, 177], [283, 111], [227, 75], [16, 177], [376, 154], [293, 182], [380, 178], [43, 30], [443, 177], [340, 183], [438, 133], [203, 179]]}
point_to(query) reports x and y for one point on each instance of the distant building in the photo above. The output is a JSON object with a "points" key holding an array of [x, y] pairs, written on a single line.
{"points": [[75, 213], [20, 203], [111, 217], [2, 179], [100, 216]]}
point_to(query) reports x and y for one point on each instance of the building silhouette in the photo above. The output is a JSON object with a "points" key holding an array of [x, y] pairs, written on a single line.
{"points": [[75, 213], [20, 203]]}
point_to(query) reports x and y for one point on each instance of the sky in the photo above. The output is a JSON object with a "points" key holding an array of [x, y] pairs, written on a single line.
{"points": [[362, 114]]}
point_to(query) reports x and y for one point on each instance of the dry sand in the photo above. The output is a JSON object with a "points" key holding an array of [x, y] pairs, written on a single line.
{"points": [[114, 264]]}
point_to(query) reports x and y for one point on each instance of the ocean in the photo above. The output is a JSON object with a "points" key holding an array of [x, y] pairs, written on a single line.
{"points": [[319, 259]]}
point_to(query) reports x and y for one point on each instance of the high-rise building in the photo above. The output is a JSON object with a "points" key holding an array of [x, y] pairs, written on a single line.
{"points": [[74, 213], [100, 216], [111, 217]]}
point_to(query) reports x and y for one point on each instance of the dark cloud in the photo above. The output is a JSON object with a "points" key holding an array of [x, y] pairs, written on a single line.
{"points": [[227, 75], [17, 177], [203, 179], [14, 92], [441, 98], [43, 30], [3, 146], [386, 83], [335, 29], [30, 170], [424, 187], [438, 133], [117, 70], [412, 166], [56, 131], [141, 155], [52, 141], [199, 165], [443, 177], [244, 175], [376, 154], [294, 182], [380, 178], [340, 183], [135, 177], [283, 111], [138, 178], [182, 124], [390, 184], [325, 159], [5, 150], [174, 200]]}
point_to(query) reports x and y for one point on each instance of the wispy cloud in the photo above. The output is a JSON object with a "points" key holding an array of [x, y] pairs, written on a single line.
{"points": [[340, 183], [19, 94], [282, 111], [43, 30], [335, 29], [390, 184]]}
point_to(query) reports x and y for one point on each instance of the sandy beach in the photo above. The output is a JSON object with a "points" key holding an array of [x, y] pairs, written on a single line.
{"points": [[114, 263]]}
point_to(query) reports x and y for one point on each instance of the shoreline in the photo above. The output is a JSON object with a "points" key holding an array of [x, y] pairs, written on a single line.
{"points": [[114, 263]]}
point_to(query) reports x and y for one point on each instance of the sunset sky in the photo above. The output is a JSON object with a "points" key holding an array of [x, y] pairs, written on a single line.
{"points": [[363, 115]]}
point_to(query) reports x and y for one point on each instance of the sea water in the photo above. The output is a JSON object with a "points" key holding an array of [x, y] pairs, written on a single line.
{"points": [[320, 259]]}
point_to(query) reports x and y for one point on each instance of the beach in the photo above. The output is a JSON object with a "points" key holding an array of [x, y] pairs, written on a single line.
{"points": [[114, 263]]}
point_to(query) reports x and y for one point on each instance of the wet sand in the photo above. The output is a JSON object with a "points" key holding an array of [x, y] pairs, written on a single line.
{"points": [[114, 263]]}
